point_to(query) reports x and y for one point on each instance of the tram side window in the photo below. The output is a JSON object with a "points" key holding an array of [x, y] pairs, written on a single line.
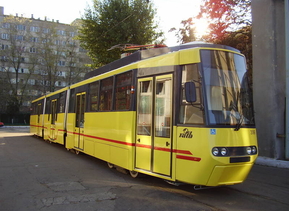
{"points": [[93, 95], [106, 88], [123, 91], [191, 114], [33, 109]]}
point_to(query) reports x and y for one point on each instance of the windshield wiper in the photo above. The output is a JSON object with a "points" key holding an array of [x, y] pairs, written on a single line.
{"points": [[239, 119], [239, 123]]}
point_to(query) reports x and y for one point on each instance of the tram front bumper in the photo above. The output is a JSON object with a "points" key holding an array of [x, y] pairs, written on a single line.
{"points": [[229, 175]]}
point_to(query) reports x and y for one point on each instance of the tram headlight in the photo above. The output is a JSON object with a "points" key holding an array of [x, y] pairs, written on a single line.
{"points": [[223, 151], [215, 151], [249, 150], [254, 150]]}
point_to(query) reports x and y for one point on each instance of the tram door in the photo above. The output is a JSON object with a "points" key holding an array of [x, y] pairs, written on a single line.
{"points": [[39, 124], [79, 120], [154, 124], [53, 119]]}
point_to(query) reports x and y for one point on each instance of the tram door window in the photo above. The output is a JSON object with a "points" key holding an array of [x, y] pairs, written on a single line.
{"points": [[80, 105], [53, 119], [39, 112], [53, 111], [154, 127], [79, 120]]}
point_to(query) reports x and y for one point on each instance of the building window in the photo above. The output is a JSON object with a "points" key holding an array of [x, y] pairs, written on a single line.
{"points": [[4, 47], [46, 31], [31, 81], [5, 36], [19, 37], [34, 29], [61, 63], [60, 32], [21, 27], [34, 39], [72, 34], [3, 58], [32, 50], [6, 25]]}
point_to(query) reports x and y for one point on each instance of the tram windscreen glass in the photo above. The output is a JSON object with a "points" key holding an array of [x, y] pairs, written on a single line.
{"points": [[228, 95]]}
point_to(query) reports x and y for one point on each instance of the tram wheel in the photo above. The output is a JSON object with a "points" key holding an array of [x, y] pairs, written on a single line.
{"points": [[133, 174], [110, 165], [77, 152]]}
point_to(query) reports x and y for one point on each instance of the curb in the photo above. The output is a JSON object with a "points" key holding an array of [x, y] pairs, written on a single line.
{"points": [[264, 161], [11, 126]]}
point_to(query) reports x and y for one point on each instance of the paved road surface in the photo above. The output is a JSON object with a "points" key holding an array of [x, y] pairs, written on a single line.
{"points": [[36, 175]]}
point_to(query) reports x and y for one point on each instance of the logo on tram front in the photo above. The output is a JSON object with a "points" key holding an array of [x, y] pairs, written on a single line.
{"points": [[186, 133]]}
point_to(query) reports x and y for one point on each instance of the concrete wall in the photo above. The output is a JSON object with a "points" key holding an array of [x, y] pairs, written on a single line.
{"points": [[269, 75]]}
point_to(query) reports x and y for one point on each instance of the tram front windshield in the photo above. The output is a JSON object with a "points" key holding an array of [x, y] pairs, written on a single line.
{"points": [[227, 92]]}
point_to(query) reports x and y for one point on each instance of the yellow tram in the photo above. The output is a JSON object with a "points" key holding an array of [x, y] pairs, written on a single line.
{"points": [[183, 113]]}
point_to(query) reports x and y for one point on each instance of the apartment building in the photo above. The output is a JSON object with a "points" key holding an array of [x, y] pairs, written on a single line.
{"points": [[37, 56]]}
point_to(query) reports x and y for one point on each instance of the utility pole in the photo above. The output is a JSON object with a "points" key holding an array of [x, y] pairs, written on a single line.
{"points": [[286, 2]]}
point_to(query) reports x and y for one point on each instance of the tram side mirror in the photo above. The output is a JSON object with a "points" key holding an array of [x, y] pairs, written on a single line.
{"points": [[190, 92]]}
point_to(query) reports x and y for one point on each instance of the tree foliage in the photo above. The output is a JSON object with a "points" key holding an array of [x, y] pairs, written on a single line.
{"points": [[111, 22], [186, 33], [225, 15], [12, 59]]}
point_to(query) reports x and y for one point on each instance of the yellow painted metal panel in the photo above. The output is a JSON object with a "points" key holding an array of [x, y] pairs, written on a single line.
{"points": [[162, 156], [229, 175], [33, 124], [163, 60], [190, 56], [107, 136], [143, 152], [101, 151], [89, 147], [70, 130], [119, 156], [195, 162]]}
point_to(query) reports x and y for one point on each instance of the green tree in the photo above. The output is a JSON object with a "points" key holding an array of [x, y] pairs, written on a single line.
{"points": [[111, 22], [186, 33]]}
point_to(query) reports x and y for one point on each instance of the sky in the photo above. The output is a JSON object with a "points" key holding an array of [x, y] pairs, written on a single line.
{"points": [[169, 12]]}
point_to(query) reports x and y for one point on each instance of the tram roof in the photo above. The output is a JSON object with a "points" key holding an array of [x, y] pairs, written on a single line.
{"points": [[149, 53]]}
